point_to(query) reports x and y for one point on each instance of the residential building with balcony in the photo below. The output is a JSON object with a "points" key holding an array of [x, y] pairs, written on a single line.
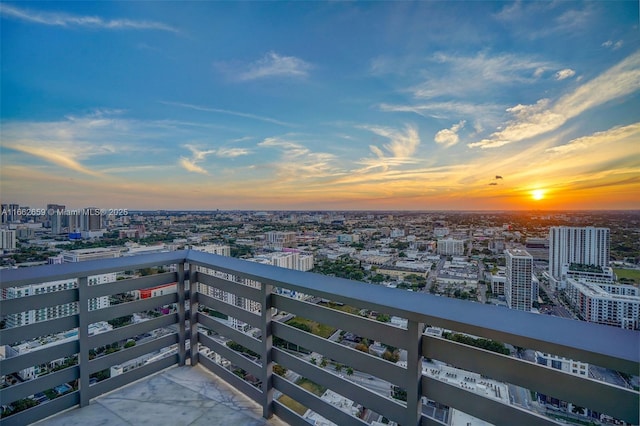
{"points": [[580, 245], [518, 287], [595, 304]]}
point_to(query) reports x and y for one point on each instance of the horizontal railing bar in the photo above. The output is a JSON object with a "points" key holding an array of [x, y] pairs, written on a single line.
{"points": [[37, 357], [234, 357], [385, 406], [430, 421], [363, 361], [228, 309], [287, 415], [315, 403], [129, 308], [598, 344], [132, 330], [620, 403], [31, 387], [132, 375], [12, 335], [128, 354], [238, 289], [131, 284], [364, 327], [488, 409], [233, 380], [38, 301], [46, 273], [42, 411], [230, 333]]}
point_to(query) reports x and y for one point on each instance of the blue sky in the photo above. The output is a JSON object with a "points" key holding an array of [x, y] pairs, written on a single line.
{"points": [[313, 105]]}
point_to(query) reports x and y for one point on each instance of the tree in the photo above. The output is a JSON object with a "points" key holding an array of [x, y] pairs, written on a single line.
{"points": [[362, 347], [383, 318], [391, 356], [279, 370]]}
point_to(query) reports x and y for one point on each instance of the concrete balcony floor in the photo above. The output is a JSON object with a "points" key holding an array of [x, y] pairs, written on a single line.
{"points": [[178, 396]]}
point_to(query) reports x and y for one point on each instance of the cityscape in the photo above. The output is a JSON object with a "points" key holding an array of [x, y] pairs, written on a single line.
{"points": [[325, 213], [564, 264]]}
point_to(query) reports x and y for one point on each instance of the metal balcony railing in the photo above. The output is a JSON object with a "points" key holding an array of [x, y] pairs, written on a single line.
{"points": [[200, 277]]}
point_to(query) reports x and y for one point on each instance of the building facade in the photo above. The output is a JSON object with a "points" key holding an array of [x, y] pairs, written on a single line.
{"points": [[451, 247], [518, 288], [7, 240], [578, 245], [594, 303]]}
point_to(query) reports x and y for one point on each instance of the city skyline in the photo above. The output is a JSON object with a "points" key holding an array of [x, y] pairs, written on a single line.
{"points": [[330, 106]]}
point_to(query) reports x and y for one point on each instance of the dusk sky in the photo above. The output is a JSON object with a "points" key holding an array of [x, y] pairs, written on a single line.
{"points": [[328, 106]]}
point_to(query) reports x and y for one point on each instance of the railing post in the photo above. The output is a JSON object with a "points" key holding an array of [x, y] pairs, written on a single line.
{"points": [[182, 334], [193, 309], [267, 356], [414, 372], [83, 340]]}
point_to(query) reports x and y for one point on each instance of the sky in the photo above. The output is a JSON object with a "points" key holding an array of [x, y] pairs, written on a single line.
{"points": [[321, 105]]}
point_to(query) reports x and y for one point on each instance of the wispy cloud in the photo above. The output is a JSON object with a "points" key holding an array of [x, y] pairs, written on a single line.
{"points": [[613, 45], [198, 155], [545, 116], [275, 65], [75, 139], [463, 75], [565, 73], [228, 112], [444, 110], [232, 152], [298, 162], [449, 137], [70, 21], [399, 150], [559, 17], [64, 160], [610, 136]]}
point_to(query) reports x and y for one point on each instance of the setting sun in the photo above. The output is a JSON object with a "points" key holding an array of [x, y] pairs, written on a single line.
{"points": [[537, 194]]}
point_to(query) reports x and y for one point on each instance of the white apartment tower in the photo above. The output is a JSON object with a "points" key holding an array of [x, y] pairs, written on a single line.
{"points": [[518, 286], [451, 247], [581, 245]]}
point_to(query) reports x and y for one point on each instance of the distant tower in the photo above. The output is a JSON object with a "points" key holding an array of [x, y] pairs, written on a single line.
{"points": [[518, 286], [582, 245]]}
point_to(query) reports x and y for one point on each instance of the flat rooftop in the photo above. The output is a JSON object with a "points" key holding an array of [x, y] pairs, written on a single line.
{"points": [[178, 396]]}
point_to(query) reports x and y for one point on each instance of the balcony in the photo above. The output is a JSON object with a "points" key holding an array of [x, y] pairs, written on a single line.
{"points": [[185, 331]]}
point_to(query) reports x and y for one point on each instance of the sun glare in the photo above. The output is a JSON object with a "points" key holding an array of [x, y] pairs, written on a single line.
{"points": [[537, 194]]}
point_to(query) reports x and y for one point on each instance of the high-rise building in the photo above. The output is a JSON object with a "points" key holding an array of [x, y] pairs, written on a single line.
{"points": [[91, 219], [7, 240], [4, 213], [518, 286], [580, 245]]}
